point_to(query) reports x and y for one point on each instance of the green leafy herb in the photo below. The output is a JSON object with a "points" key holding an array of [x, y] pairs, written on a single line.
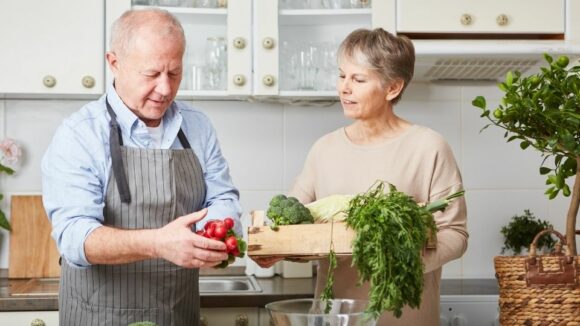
{"points": [[328, 292], [391, 231]]}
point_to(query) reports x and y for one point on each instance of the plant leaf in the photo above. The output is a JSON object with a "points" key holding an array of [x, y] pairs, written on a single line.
{"points": [[479, 102], [4, 222]]}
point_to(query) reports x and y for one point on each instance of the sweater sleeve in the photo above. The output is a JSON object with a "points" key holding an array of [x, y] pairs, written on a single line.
{"points": [[452, 223], [451, 233]]}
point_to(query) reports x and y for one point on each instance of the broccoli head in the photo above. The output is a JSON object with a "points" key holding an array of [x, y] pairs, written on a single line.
{"points": [[288, 210]]}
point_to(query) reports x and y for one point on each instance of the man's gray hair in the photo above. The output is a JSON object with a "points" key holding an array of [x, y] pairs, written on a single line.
{"points": [[126, 27]]}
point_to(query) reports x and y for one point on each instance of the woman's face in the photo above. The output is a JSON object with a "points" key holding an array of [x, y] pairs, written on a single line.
{"points": [[360, 90]]}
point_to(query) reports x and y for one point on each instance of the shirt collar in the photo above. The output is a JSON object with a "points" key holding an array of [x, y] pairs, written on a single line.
{"points": [[129, 121]]}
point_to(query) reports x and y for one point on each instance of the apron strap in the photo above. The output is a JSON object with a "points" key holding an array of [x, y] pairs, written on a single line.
{"points": [[116, 141], [183, 139]]}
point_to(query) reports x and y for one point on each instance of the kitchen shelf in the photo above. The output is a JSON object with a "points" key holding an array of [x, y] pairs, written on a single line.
{"points": [[325, 94], [205, 16], [208, 93], [307, 17]]}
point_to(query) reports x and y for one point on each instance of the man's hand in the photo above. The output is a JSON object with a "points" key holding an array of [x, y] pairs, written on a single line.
{"points": [[177, 243]]}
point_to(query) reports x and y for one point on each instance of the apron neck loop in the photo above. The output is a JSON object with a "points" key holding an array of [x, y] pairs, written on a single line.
{"points": [[115, 143]]}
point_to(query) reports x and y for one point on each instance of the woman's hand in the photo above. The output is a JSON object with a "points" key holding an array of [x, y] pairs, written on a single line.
{"points": [[268, 261]]}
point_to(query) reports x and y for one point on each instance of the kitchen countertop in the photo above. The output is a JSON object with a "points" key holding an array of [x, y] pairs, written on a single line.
{"points": [[273, 289]]}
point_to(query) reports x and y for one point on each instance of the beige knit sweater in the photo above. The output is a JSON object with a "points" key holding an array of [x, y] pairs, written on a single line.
{"points": [[418, 162]]}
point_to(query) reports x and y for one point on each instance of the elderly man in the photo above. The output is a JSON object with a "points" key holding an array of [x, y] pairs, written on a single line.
{"points": [[126, 179]]}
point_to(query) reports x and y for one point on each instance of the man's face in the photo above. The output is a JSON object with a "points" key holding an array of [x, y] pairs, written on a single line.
{"points": [[148, 74]]}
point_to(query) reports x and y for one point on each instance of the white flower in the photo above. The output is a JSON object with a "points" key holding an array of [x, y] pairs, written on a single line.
{"points": [[11, 151]]}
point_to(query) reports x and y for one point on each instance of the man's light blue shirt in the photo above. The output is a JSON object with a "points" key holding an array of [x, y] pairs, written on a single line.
{"points": [[77, 166]]}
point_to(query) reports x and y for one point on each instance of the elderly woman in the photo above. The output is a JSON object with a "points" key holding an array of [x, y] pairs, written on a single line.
{"points": [[375, 67]]}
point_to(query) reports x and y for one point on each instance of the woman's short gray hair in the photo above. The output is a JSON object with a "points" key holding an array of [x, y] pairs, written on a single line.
{"points": [[392, 57], [125, 28]]}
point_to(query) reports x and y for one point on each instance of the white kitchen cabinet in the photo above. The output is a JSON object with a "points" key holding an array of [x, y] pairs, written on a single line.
{"points": [[491, 16], [255, 31], [265, 319], [29, 318], [293, 46], [234, 25], [52, 47], [229, 317], [467, 310]]}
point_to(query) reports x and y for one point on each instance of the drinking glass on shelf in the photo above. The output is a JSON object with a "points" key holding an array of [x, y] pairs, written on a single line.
{"points": [[169, 3], [332, 4], [360, 3], [216, 61], [206, 3], [327, 69], [306, 67], [144, 2]]}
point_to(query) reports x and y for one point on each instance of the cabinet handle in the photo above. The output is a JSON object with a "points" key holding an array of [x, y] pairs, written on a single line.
{"points": [[466, 19], [88, 82], [49, 81], [502, 20], [37, 322], [458, 320], [242, 320], [268, 80], [239, 80], [202, 321], [268, 43], [239, 43]]}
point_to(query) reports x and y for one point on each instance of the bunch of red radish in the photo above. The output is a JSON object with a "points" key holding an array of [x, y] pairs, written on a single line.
{"points": [[223, 231]]}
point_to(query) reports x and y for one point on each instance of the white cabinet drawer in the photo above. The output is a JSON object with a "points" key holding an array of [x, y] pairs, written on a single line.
{"points": [[490, 16]]}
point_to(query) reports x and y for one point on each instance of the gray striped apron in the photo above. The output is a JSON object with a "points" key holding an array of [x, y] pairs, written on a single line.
{"points": [[148, 188]]}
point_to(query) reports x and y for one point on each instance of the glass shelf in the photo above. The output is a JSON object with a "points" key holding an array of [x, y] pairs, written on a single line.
{"points": [[324, 16], [204, 16]]}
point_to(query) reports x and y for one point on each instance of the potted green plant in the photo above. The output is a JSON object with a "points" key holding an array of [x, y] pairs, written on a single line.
{"points": [[542, 111], [521, 230]]}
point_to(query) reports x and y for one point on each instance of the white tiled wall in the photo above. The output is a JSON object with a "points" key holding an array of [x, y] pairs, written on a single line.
{"points": [[266, 144]]}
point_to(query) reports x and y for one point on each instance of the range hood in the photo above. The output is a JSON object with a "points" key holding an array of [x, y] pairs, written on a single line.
{"points": [[440, 60]]}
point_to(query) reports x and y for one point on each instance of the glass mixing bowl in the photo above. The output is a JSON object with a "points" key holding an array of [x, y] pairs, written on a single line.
{"points": [[310, 312]]}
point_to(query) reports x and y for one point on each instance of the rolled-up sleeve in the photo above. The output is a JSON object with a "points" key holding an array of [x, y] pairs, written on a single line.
{"points": [[72, 192]]}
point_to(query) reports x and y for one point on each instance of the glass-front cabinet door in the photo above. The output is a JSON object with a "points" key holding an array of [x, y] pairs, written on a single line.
{"points": [[296, 43], [264, 48], [217, 60]]}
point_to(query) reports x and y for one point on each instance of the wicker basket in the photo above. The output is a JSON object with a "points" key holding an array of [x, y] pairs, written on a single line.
{"points": [[539, 290]]}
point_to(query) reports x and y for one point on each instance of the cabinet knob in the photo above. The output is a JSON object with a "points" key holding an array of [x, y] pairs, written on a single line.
{"points": [[49, 81], [202, 321], [239, 80], [459, 320], [242, 320], [268, 43], [466, 19], [268, 80], [37, 322], [239, 43], [502, 20], [88, 82]]}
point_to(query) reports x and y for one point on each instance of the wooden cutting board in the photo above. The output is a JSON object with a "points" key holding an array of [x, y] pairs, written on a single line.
{"points": [[32, 251]]}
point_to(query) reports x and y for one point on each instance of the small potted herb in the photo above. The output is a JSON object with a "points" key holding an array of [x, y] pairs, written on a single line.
{"points": [[521, 230]]}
